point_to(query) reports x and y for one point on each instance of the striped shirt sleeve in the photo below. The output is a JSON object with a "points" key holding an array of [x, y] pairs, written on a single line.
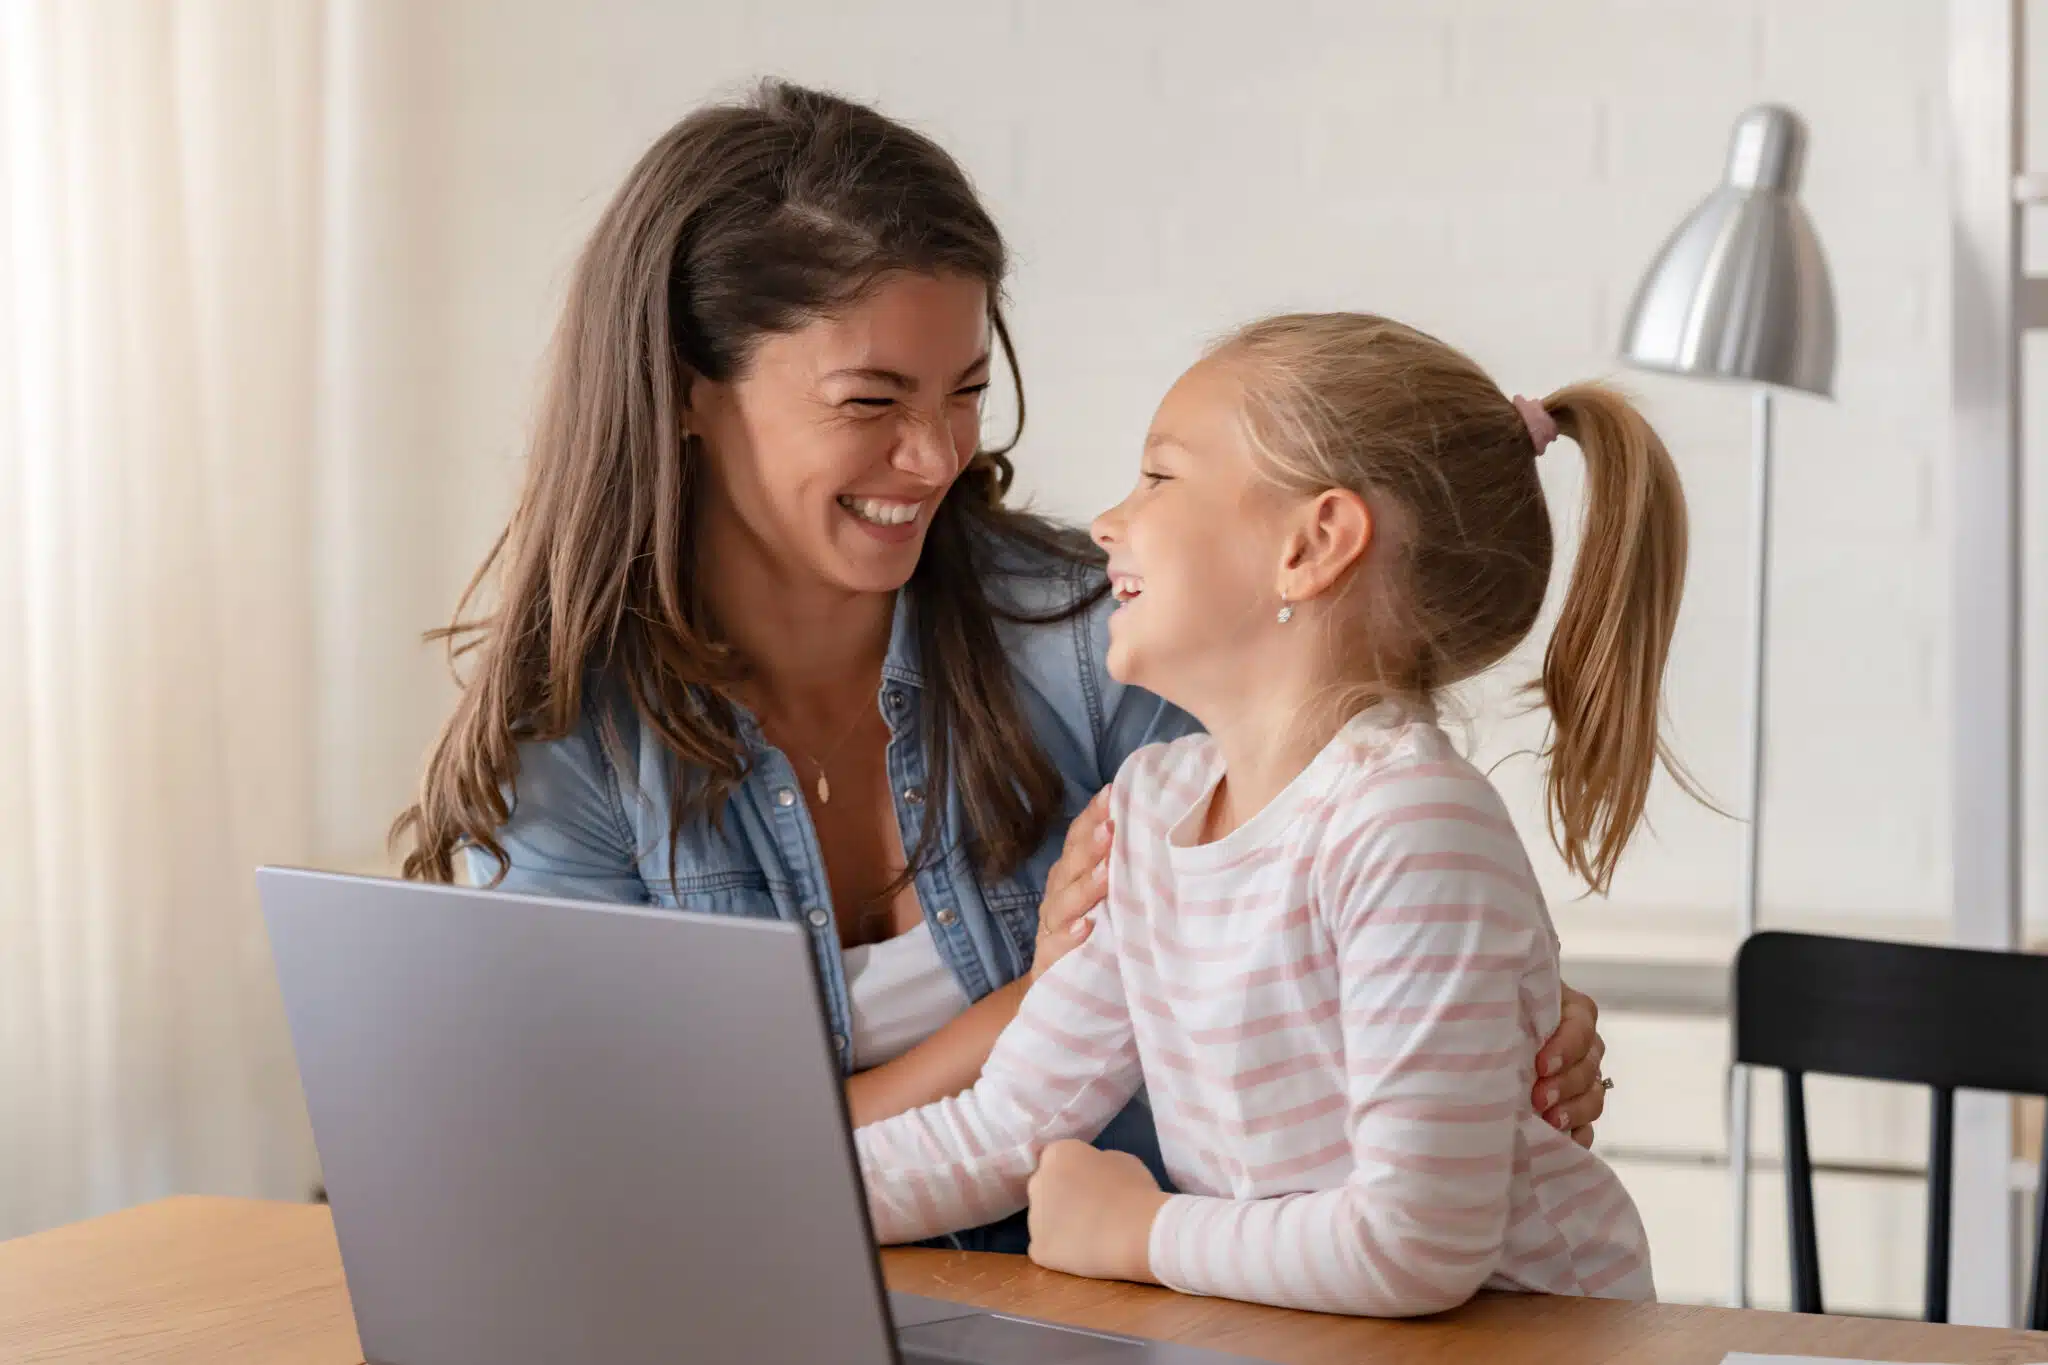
{"points": [[1065, 1066], [1432, 914]]}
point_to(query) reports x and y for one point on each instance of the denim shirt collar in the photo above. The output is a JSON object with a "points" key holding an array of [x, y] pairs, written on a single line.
{"points": [[902, 663]]}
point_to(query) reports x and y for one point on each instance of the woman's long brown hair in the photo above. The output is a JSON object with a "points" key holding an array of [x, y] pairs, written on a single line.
{"points": [[743, 221]]}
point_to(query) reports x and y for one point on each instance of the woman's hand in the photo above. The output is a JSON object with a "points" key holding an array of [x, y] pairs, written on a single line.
{"points": [[1092, 1213], [1075, 886], [1569, 1092]]}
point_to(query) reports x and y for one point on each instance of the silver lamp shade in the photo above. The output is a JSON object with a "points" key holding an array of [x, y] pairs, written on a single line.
{"points": [[1740, 291]]}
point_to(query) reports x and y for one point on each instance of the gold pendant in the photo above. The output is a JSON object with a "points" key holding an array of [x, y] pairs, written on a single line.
{"points": [[824, 790]]}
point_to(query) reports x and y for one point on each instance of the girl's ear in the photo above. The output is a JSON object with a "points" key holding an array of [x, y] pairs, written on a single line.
{"points": [[1332, 534]]}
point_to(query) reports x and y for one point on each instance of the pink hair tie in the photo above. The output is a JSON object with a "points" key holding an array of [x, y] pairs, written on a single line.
{"points": [[1542, 426]]}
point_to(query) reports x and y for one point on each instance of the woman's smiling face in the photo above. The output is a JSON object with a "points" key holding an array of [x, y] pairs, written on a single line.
{"points": [[836, 444]]}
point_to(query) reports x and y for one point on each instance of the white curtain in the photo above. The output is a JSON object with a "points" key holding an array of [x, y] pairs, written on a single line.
{"points": [[216, 553]]}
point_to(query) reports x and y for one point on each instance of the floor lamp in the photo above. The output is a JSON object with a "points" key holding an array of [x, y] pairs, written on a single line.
{"points": [[1740, 292]]}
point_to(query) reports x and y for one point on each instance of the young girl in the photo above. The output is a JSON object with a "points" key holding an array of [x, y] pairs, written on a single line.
{"points": [[1323, 951]]}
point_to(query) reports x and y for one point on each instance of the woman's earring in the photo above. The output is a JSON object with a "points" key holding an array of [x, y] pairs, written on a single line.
{"points": [[1286, 611]]}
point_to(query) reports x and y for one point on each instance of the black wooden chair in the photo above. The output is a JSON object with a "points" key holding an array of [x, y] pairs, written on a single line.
{"points": [[1945, 1018]]}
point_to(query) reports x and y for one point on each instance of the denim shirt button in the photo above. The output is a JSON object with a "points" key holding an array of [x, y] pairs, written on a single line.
{"points": [[784, 797], [914, 795], [839, 1042], [894, 700], [946, 918], [819, 919]]}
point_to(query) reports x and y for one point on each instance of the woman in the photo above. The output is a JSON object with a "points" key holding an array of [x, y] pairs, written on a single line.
{"points": [[765, 639]]}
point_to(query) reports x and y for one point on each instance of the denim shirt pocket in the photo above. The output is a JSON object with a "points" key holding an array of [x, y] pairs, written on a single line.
{"points": [[714, 872], [738, 891]]}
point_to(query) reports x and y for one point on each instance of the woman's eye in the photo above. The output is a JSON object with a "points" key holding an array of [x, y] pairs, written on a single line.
{"points": [[1153, 478], [872, 402], [972, 390]]}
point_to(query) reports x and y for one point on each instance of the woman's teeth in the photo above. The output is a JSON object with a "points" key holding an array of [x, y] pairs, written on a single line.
{"points": [[882, 512], [1125, 587]]}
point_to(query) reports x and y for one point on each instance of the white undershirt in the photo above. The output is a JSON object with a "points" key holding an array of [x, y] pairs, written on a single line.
{"points": [[901, 993]]}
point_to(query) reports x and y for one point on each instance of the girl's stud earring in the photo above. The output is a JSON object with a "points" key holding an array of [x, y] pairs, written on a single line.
{"points": [[1286, 611]]}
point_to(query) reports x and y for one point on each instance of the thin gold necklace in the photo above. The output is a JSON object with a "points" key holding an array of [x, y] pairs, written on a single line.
{"points": [[824, 787]]}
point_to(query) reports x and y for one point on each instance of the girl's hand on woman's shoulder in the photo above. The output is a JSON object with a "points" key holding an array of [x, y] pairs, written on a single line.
{"points": [[1075, 886]]}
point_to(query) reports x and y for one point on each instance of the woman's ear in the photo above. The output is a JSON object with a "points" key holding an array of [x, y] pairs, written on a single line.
{"points": [[1333, 533]]}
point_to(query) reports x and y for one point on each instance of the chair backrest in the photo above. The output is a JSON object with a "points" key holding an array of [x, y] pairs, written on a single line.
{"points": [[1952, 1018], [1946, 1018]]}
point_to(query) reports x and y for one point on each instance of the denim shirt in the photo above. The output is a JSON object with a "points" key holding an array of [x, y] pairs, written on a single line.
{"points": [[581, 827]]}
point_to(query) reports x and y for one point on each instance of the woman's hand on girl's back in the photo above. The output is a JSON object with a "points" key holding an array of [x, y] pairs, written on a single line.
{"points": [[1570, 1093], [1076, 885]]}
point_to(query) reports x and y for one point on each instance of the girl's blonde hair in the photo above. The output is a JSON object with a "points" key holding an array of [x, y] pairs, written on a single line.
{"points": [[1461, 551]]}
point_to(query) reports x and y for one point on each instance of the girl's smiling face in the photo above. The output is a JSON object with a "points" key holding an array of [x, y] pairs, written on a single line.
{"points": [[1197, 552]]}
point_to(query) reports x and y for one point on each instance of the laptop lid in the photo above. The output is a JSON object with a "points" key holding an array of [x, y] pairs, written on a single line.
{"points": [[553, 1130]]}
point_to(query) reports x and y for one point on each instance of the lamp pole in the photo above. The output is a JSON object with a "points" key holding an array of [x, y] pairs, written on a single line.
{"points": [[1740, 1092]]}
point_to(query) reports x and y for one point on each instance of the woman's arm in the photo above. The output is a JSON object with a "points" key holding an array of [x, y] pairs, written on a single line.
{"points": [[944, 1064], [949, 1061], [567, 834], [1063, 1070]]}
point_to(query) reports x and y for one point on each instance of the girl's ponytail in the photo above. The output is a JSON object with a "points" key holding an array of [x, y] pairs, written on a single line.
{"points": [[1449, 465], [1604, 671]]}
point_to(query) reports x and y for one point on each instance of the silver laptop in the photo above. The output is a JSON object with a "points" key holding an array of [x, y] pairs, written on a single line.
{"points": [[554, 1131]]}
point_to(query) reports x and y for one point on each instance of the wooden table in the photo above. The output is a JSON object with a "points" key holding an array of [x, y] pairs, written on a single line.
{"points": [[224, 1281]]}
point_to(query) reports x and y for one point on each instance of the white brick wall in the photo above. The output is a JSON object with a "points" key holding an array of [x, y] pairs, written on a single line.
{"points": [[1495, 170]]}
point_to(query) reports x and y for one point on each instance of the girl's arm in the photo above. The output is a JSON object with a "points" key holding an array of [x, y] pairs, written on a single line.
{"points": [[1064, 1068], [1435, 922], [949, 1061]]}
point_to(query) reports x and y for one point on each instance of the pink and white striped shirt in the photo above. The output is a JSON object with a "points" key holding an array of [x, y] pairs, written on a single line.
{"points": [[1335, 1010]]}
